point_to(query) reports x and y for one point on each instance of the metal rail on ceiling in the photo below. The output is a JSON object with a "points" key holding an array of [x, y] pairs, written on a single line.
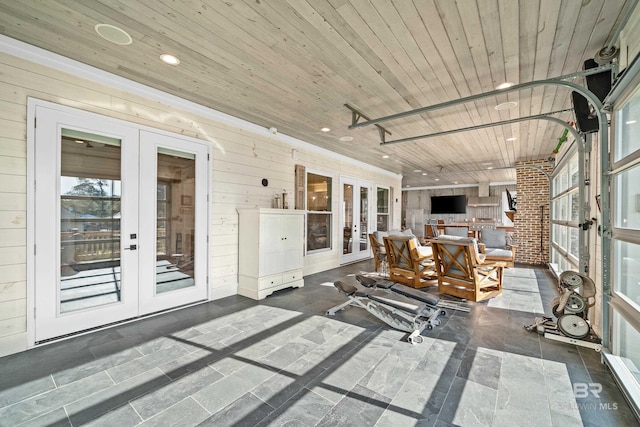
{"points": [[482, 126], [556, 81]]}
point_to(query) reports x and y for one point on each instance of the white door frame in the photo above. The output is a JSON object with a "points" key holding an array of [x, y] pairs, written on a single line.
{"points": [[356, 253], [94, 123]]}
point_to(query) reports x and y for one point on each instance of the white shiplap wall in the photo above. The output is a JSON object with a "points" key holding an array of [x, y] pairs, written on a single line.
{"points": [[243, 154]]}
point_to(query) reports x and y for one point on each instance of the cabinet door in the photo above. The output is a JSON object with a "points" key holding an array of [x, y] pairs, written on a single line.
{"points": [[293, 242], [271, 240]]}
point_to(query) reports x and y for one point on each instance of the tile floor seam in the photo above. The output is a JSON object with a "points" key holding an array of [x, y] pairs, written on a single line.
{"points": [[68, 417], [262, 400], [55, 385], [195, 399], [134, 410], [106, 371]]}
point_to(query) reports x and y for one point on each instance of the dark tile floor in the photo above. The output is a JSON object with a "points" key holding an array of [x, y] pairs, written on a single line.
{"points": [[281, 361]]}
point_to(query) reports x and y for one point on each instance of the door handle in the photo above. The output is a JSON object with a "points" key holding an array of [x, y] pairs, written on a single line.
{"points": [[131, 248]]}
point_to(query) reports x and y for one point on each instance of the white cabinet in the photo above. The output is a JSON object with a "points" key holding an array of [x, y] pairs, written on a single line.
{"points": [[271, 243]]}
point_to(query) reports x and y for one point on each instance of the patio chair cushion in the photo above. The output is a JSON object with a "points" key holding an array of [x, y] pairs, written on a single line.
{"points": [[499, 253], [494, 238], [456, 231]]}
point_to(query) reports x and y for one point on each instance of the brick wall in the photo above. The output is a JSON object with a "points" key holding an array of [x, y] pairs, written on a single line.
{"points": [[533, 203]]}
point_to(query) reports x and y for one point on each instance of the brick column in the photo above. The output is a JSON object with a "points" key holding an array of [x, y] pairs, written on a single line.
{"points": [[533, 189]]}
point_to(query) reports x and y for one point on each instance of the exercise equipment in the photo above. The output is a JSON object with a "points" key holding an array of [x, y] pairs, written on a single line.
{"points": [[398, 288], [398, 311], [571, 309]]}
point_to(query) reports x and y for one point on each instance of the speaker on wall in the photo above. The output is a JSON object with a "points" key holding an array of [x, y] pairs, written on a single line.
{"points": [[584, 121], [599, 84]]}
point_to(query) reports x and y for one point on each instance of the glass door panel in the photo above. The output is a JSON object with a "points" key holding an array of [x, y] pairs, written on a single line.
{"points": [[355, 219], [347, 228], [175, 221], [173, 183], [364, 219], [89, 223]]}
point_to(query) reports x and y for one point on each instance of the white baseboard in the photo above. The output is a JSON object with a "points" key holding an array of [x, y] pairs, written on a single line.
{"points": [[223, 291]]}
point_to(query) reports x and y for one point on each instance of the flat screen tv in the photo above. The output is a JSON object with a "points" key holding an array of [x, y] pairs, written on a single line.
{"points": [[448, 204]]}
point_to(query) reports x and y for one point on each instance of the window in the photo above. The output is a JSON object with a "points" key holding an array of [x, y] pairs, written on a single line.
{"points": [[162, 236], [319, 216], [627, 129], [624, 263], [565, 215], [382, 212], [626, 199]]}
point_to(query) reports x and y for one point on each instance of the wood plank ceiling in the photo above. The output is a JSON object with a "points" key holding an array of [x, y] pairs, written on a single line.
{"points": [[294, 64]]}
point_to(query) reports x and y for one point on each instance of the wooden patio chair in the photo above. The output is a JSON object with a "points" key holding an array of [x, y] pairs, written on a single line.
{"points": [[379, 255], [463, 272], [406, 264]]}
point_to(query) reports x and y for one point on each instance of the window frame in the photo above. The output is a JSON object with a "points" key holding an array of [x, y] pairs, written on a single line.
{"points": [[622, 307], [388, 213], [309, 212]]}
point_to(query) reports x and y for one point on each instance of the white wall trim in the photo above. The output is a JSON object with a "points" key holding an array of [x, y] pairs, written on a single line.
{"points": [[31, 222], [222, 292], [53, 60]]}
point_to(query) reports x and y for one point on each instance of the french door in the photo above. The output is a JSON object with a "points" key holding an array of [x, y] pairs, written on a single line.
{"points": [[355, 218], [120, 221]]}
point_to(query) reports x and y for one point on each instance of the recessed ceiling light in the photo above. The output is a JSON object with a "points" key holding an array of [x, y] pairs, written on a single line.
{"points": [[167, 58], [417, 170], [113, 34], [490, 167], [346, 138], [504, 85], [630, 122], [506, 106], [385, 157], [424, 174], [455, 182], [407, 185], [513, 138], [325, 129], [437, 179], [79, 141]]}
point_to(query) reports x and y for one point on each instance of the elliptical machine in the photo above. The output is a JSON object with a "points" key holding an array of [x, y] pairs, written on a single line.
{"points": [[571, 307]]}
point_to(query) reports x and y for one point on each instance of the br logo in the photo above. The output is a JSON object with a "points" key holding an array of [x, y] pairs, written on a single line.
{"points": [[582, 390]]}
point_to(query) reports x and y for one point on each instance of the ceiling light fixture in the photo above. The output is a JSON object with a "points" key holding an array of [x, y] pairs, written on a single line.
{"points": [[490, 167], [417, 170], [424, 174], [325, 129], [79, 141], [630, 122], [506, 106], [385, 156], [513, 138], [167, 58], [113, 34], [504, 85], [346, 138], [437, 179]]}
